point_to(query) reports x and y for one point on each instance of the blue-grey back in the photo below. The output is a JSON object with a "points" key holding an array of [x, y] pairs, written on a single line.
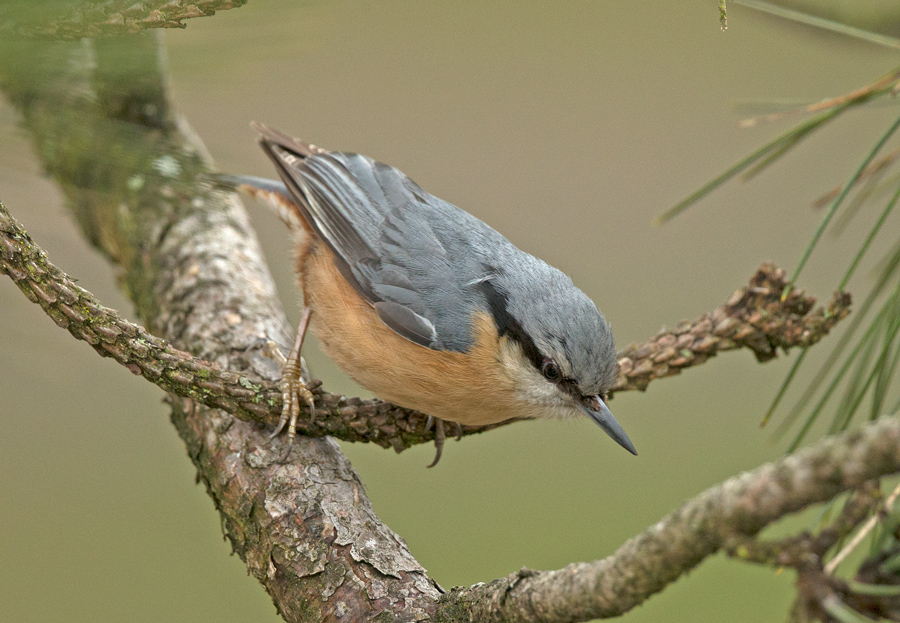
{"points": [[427, 266]]}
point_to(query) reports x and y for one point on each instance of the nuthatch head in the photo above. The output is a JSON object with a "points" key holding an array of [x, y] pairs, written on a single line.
{"points": [[426, 305], [555, 343]]}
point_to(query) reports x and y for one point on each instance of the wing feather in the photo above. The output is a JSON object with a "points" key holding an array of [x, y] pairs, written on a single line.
{"points": [[371, 217]]}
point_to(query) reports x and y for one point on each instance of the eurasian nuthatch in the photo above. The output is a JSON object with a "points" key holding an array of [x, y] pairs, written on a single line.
{"points": [[427, 306]]}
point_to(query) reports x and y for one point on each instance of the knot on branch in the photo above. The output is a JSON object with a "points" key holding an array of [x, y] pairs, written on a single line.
{"points": [[755, 317]]}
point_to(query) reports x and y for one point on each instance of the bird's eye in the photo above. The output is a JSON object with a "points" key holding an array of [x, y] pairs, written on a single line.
{"points": [[551, 371]]}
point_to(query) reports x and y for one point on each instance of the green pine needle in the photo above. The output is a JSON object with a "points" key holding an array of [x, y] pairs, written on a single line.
{"points": [[788, 137], [833, 384], [784, 386], [836, 204], [868, 242], [821, 22]]}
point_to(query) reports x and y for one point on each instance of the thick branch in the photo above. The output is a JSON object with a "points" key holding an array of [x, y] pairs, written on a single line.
{"points": [[80, 18], [754, 317], [679, 542], [192, 265]]}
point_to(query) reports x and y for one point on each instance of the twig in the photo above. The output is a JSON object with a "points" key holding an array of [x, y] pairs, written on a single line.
{"points": [[863, 532], [755, 317], [804, 551]]}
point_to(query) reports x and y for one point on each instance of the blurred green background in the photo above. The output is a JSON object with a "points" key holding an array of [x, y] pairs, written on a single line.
{"points": [[567, 126]]}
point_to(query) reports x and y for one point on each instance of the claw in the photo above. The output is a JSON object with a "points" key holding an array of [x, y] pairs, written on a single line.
{"points": [[439, 438], [278, 429]]}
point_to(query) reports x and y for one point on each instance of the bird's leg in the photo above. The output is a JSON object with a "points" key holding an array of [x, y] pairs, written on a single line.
{"points": [[292, 386]]}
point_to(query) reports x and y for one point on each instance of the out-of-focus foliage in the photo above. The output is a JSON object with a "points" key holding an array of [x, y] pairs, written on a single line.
{"points": [[868, 371]]}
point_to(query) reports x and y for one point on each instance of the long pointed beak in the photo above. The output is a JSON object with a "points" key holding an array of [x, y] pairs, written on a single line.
{"points": [[604, 418]]}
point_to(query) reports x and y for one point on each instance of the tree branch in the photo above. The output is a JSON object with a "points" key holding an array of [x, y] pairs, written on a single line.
{"points": [[96, 18], [806, 550], [645, 564], [754, 317]]}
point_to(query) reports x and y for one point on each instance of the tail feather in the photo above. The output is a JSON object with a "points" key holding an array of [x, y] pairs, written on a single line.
{"points": [[271, 192], [280, 138]]}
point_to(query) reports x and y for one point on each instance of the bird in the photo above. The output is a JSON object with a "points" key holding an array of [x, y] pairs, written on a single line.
{"points": [[426, 305]]}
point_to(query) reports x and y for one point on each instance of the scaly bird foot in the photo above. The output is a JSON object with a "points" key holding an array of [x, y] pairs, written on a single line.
{"points": [[292, 385], [293, 388]]}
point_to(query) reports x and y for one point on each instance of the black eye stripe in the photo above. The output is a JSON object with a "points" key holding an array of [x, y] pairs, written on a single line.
{"points": [[508, 325]]}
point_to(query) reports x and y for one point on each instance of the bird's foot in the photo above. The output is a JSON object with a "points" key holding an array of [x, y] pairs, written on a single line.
{"points": [[440, 436], [293, 389]]}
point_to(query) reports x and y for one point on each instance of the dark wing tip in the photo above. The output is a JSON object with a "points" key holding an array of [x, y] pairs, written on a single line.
{"points": [[270, 136]]}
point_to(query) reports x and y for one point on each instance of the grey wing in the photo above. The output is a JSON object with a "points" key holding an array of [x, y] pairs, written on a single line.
{"points": [[375, 221]]}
